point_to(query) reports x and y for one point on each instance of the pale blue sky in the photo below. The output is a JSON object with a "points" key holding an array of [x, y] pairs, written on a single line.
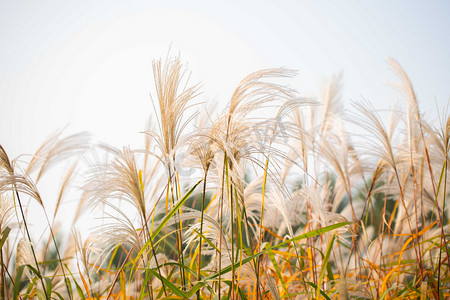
{"points": [[88, 63]]}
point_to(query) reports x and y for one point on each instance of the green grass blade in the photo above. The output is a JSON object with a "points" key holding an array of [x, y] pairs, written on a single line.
{"points": [[17, 282], [33, 269], [173, 211], [41, 295], [239, 290], [31, 285], [207, 240], [172, 287], [5, 234], [49, 287], [166, 219], [313, 233], [79, 290], [277, 269], [386, 292], [69, 285], [324, 265], [227, 269], [321, 292], [58, 294], [148, 277]]}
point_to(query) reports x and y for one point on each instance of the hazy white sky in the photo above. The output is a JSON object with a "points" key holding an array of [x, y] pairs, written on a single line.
{"points": [[87, 64]]}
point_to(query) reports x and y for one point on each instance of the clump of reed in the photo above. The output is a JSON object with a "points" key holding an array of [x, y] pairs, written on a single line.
{"points": [[270, 198]]}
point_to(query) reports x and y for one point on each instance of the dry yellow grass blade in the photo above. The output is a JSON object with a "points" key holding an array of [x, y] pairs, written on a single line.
{"points": [[389, 275]]}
